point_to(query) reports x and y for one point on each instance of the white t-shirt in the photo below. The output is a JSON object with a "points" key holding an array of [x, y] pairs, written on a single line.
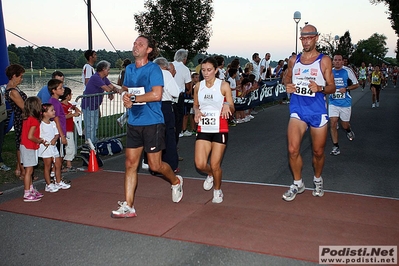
{"points": [[87, 72], [182, 76], [47, 132], [170, 89], [266, 64], [256, 70]]}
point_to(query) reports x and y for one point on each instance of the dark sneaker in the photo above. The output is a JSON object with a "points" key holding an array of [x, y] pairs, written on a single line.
{"points": [[350, 135], [335, 151]]}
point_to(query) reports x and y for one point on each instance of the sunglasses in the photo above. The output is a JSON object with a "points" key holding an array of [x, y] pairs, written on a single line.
{"points": [[307, 38]]}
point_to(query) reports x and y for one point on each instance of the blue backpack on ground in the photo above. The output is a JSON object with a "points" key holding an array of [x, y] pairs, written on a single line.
{"points": [[109, 147]]}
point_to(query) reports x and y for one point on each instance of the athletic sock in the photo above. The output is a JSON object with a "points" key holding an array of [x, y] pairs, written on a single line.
{"points": [[298, 183], [26, 193], [316, 179], [336, 145], [348, 129]]}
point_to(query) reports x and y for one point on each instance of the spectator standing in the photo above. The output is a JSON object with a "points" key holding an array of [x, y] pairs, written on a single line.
{"points": [[16, 97], [70, 112], [183, 80], [44, 94], [49, 151], [256, 66], [3, 167], [30, 141], [97, 84], [88, 69], [265, 69]]}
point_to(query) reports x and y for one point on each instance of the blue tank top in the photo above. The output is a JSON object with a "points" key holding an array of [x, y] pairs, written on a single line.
{"points": [[304, 101]]}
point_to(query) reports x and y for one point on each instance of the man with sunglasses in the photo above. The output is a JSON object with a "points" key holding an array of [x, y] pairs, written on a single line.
{"points": [[309, 78]]}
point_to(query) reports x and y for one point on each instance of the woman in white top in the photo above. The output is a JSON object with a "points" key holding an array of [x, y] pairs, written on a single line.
{"points": [[213, 104]]}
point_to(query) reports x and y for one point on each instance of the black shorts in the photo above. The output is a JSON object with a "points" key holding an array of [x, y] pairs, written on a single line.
{"points": [[221, 138], [377, 87], [152, 137]]}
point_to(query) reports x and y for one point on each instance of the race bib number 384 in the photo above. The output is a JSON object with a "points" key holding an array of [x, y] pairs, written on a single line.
{"points": [[302, 89]]}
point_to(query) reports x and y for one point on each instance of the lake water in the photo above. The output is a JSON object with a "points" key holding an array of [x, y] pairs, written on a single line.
{"points": [[32, 83]]}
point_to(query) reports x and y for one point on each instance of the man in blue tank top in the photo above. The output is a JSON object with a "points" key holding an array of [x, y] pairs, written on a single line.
{"points": [[308, 78], [340, 102]]}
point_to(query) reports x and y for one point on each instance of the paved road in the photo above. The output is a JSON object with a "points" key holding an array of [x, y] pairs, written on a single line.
{"points": [[257, 152]]}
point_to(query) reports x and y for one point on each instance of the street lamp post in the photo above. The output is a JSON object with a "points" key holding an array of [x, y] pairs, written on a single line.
{"points": [[336, 39], [297, 18]]}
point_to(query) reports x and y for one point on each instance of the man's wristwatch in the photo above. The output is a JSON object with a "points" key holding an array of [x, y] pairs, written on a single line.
{"points": [[133, 98]]}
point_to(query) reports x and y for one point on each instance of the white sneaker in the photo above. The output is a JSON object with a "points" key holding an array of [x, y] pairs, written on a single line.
{"points": [[51, 188], [373, 105], [187, 133], [177, 190], [251, 116], [217, 196], [208, 183], [124, 211], [377, 104], [62, 185], [180, 134], [144, 165]]}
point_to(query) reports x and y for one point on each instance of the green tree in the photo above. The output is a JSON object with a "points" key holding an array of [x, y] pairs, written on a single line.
{"points": [[393, 6], [345, 46], [13, 58], [372, 50], [177, 24]]}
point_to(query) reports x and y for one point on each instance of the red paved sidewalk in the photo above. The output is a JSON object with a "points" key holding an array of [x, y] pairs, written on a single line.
{"points": [[252, 217]]}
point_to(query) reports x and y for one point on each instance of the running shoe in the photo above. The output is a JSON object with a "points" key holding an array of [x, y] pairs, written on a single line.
{"points": [[144, 165], [124, 211], [51, 188], [373, 105], [377, 104], [318, 188], [217, 196], [187, 133], [35, 192], [31, 198], [177, 190], [208, 183], [62, 185], [335, 151], [351, 135], [291, 193], [5, 168]]}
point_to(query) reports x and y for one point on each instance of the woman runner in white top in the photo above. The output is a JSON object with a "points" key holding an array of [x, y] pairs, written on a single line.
{"points": [[213, 104]]}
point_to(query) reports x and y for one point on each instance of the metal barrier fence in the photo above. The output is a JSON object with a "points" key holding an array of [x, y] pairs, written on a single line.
{"points": [[110, 109]]}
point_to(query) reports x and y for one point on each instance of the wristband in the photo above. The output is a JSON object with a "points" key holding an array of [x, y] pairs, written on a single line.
{"points": [[227, 103]]}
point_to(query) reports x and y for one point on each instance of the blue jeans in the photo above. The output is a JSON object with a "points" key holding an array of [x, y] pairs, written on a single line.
{"points": [[90, 118]]}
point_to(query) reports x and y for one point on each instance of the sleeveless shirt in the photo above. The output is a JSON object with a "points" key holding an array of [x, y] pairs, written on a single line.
{"points": [[210, 104]]}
